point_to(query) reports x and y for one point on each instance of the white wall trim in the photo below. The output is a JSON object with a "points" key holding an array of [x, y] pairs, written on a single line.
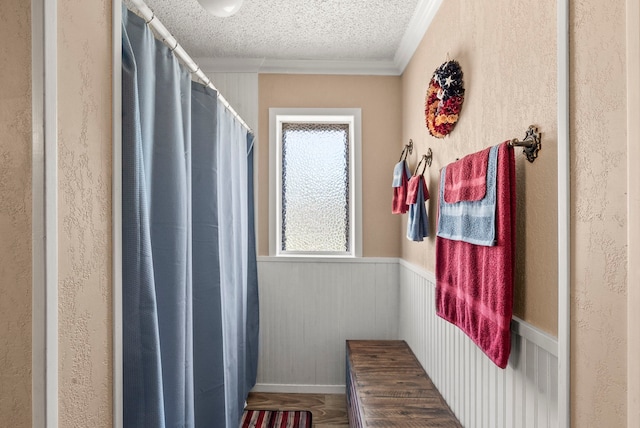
{"points": [[375, 68], [426, 274], [564, 216], [116, 213], [45, 213], [298, 66], [533, 334], [633, 207], [356, 158], [229, 65], [299, 389]]}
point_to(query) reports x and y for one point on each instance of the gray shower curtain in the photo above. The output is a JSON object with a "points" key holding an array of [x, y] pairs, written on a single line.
{"points": [[190, 298]]}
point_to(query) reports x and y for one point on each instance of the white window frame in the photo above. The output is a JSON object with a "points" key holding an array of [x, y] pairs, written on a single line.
{"points": [[351, 116]]}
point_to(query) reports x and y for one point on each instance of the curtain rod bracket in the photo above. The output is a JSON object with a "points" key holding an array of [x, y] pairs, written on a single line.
{"points": [[531, 143]]}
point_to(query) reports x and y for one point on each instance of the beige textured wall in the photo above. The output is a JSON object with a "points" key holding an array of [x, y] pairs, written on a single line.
{"points": [[15, 213], [84, 174], [598, 214], [508, 56], [379, 99]]}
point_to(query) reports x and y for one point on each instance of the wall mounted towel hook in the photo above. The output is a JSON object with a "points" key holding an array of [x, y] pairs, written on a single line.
{"points": [[406, 151], [427, 162], [531, 143]]}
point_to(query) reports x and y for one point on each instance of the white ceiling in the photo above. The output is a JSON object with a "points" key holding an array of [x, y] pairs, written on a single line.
{"points": [[341, 36]]}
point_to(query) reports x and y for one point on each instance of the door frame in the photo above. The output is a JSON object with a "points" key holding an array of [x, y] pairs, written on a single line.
{"points": [[633, 211], [564, 218], [44, 229], [116, 206], [563, 227]]}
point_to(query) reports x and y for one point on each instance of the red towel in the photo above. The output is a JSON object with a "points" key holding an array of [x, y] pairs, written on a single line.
{"points": [[474, 284], [466, 179], [412, 189], [399, 202]]}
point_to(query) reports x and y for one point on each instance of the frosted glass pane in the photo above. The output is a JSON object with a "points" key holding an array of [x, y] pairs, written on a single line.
{"points": [[315, 187]]}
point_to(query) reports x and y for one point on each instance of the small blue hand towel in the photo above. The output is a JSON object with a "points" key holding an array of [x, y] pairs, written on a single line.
{"points": [[397, 173], [471, 221], [418, 220]]}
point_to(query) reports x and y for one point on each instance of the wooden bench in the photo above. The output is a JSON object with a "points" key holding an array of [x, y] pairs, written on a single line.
{"points": [[387, 387]]}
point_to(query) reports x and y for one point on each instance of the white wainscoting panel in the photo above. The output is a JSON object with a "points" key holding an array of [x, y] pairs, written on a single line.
{"points": [[481, 395], [310, 307]]}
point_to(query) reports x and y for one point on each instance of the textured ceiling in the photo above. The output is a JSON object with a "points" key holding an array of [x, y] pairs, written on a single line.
{"points": [[346, 30]]}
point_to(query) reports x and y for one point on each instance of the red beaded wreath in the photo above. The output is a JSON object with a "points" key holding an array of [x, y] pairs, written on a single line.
{"points": [[444, 99]]}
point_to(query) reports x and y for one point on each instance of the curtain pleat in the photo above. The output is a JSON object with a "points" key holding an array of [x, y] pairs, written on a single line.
{"points": [[253, 303], [207, 322], [161, 174], [143, 403], [233, 231], [190, 295]]}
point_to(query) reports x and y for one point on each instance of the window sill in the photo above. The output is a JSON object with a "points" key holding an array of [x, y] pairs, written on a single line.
{"points": [[327, 259]]}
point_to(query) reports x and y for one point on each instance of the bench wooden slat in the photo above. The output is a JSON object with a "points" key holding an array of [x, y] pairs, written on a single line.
{"points": [[387, 387]]}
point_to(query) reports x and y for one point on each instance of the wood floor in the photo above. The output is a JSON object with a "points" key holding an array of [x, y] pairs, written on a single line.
{"points": [[329, 411]]}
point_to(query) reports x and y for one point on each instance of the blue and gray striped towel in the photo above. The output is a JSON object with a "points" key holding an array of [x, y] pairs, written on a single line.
{"points": [[470, 221]]}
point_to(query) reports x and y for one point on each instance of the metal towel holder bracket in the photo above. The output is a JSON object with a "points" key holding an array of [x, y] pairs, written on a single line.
{"points": [[406, 150], [531, 143], [427, 158]]}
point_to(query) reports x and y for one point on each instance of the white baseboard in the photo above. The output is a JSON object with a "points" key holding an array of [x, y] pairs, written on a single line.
{"points": [[299, 389]]}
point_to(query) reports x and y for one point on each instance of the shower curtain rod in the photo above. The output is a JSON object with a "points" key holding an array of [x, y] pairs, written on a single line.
{"points": [[167, 38]]}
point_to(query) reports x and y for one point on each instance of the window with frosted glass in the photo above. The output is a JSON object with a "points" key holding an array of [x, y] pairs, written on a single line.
{"points": [[315, 188]]}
